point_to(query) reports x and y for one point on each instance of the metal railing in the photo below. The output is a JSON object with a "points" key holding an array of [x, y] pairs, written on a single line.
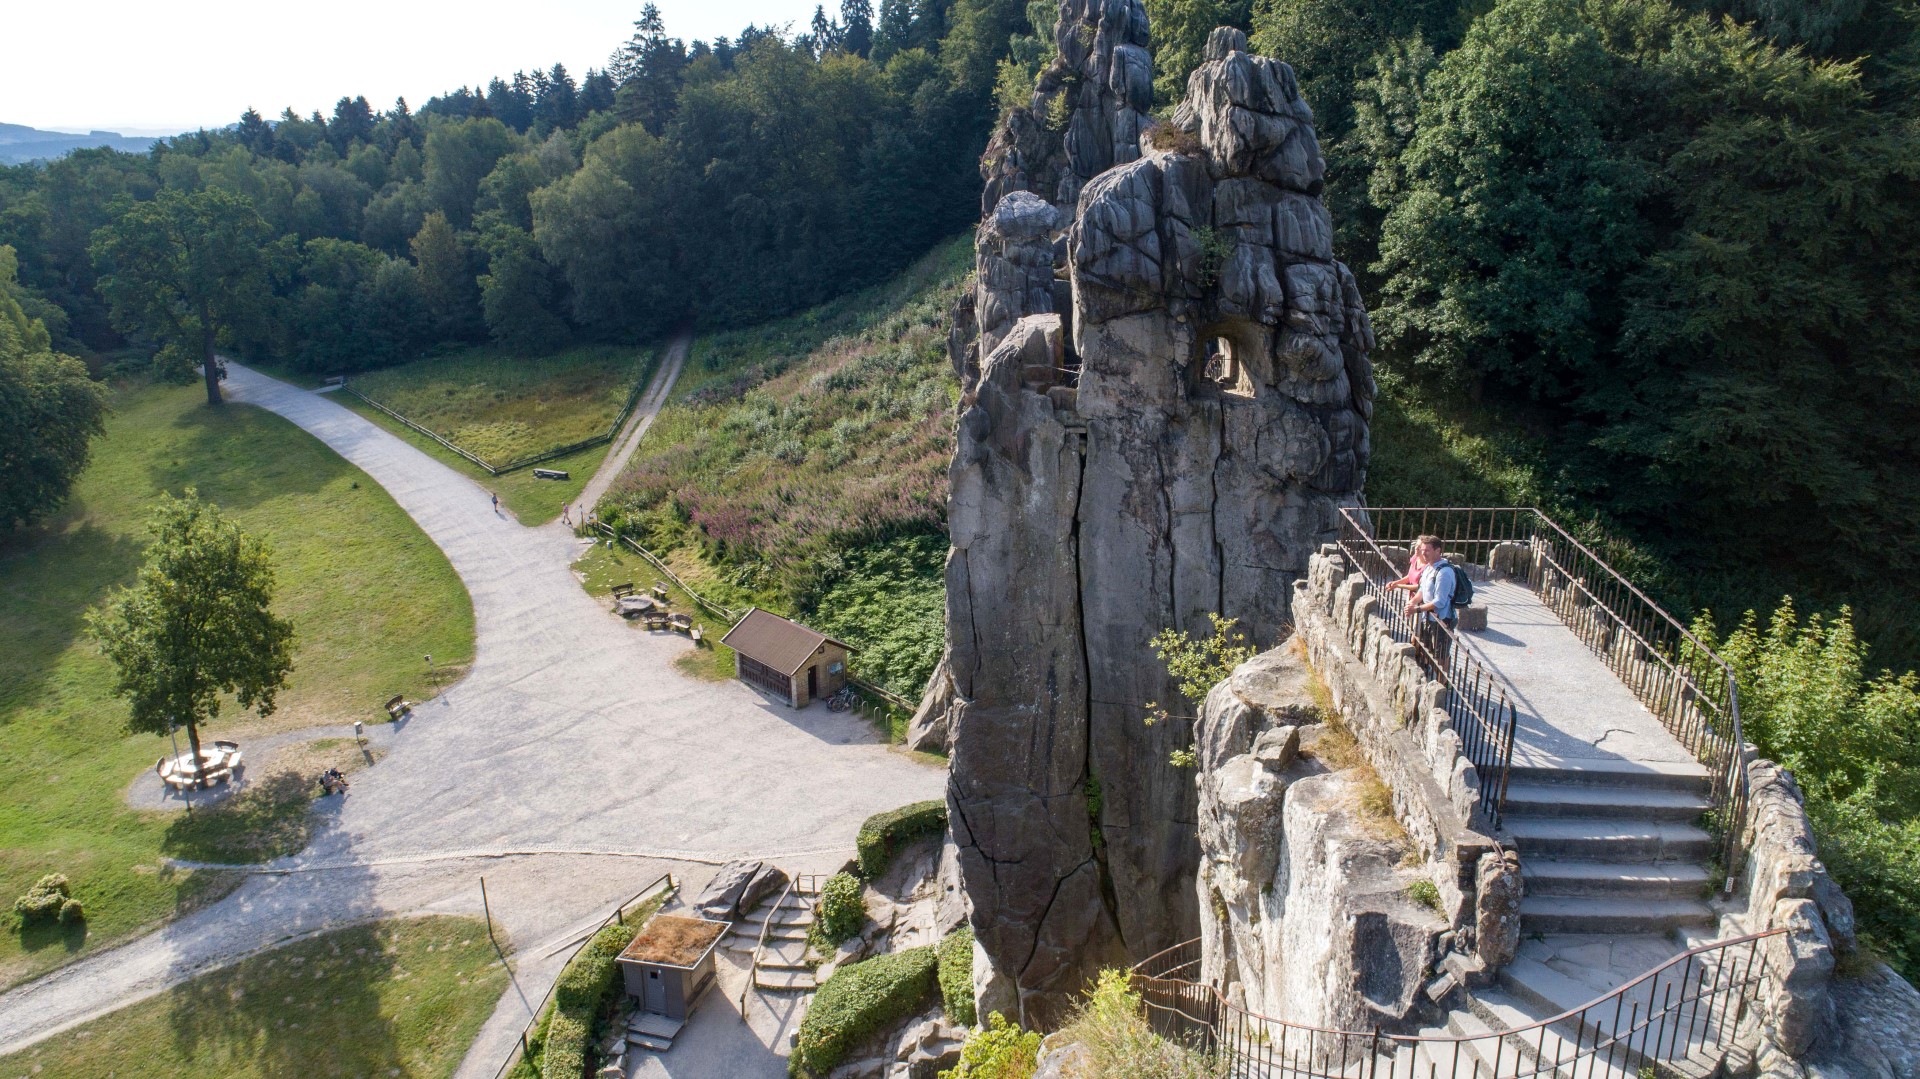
{"points": [[522, 1047], [1477, 703], [1685, 1015], [1671, 671]]}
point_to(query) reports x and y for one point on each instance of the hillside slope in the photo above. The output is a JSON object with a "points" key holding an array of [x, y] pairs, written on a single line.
{"points": [[802, 467]]}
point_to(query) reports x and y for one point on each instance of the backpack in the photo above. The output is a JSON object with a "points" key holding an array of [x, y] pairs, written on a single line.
{"points": [[1462, 587]]}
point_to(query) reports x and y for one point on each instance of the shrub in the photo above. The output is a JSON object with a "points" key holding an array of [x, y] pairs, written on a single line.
{"points": [[956, 976], [883, 834], [1425, 893], [72, 913], [580, 996], [857, 1002], [566, 1051], [843, 910], [1002, 1051], [1118, 1040], [44, 901]]}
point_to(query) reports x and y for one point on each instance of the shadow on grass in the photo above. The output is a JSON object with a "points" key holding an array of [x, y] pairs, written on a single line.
{"points": [[297, 1013], [266, 820], [235, 432], [51, 934], [45, 592]]}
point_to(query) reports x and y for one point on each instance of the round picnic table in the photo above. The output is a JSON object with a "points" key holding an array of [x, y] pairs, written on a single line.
{"points": [[632, 605], [217, 762]]}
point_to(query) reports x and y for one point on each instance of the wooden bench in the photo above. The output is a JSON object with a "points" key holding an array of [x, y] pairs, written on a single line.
{"points": [[656, 621], [623, 590], [660, 590], [334, 380], [696, 634], [399, 705], [549, 474], [681, 622]]}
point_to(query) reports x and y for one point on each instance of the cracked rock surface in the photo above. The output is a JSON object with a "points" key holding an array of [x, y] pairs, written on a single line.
{"points": [[1170, 403]]}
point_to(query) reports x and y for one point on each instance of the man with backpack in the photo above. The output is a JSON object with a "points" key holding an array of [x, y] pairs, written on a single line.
{"points": [[1432, 606]]}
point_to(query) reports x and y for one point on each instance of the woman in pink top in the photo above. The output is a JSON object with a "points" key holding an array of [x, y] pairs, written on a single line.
{"points": [[1415, 566]]}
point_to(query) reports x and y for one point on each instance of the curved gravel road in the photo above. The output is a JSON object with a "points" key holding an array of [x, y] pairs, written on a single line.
{"points": [[573, 764]]}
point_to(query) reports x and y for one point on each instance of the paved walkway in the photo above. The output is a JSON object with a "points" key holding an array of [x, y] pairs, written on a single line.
{"points": [[573, 732], [1572, 711]]}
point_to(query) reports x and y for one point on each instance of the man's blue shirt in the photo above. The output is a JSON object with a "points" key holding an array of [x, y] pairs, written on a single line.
{"points": [[1437, 588]]}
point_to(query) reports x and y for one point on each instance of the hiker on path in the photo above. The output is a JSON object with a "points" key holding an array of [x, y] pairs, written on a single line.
{"points": [[496, 502], [1431, 606], [1416, 565]]}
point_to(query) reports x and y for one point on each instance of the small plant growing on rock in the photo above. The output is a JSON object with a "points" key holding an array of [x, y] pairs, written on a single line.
{"points": [[1001, 1051], [955, 955], [46, 901], [1424, 893], [1196, 667]]}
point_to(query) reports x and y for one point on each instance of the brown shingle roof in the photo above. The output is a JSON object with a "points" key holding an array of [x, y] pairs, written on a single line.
{"points": [[770, 639]]}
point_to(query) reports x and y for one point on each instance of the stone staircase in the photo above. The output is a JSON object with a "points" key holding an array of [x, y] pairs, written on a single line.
{"points": [[1617, 882], [782, 964]]}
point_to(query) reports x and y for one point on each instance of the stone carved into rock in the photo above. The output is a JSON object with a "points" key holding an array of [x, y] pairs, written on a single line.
{"points": [[1170, 436], [1497, 893]]}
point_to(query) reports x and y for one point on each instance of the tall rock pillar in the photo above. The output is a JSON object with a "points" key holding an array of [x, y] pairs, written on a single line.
{"points": [[1173, 440]]}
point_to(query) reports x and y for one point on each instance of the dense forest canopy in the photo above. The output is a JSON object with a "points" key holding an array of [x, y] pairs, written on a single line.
{"points": [[738, 178]]}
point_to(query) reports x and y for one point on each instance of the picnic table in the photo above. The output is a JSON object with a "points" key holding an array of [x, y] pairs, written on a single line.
{"points": [[631, 606], [217, 764]]}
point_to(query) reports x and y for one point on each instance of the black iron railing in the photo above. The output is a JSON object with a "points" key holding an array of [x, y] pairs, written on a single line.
{"points": [[1684, 1016], [1672, 672], [1476, 702]]}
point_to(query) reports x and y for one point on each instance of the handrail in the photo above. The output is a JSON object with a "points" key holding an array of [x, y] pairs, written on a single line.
{"points": [[1245, 1036], [620, 915], [1482, 712], [753, 968], [1677, 676]]}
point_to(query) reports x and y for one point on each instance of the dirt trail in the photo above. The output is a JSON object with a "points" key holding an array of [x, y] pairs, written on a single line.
{"points": [[637, 424]]}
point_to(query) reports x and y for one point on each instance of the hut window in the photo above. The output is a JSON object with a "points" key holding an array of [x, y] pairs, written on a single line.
{"points": [[1220, 367]]}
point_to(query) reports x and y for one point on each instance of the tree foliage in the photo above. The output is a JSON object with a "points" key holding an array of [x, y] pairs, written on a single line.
{"points": [[190, 271], [1852, 740], [50, 410], [197, 624]]}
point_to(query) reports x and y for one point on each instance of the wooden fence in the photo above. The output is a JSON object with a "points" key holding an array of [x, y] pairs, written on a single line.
{"points": [[730, 616]]}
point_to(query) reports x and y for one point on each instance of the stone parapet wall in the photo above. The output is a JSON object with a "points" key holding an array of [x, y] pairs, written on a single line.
{"points": [[1392, 708]]}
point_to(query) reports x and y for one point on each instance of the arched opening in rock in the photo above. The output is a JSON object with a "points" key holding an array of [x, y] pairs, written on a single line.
{"points": [[1221, 367]]}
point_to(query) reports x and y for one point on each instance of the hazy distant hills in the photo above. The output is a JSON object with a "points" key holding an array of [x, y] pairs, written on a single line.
{"points": [[20, 143]]}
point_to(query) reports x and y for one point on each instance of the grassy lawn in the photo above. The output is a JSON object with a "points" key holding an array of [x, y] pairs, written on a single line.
{"points": [[531, 500], [502, 407], [367, 591], [402, 997]]}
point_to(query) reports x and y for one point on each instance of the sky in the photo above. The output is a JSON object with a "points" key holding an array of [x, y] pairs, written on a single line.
{"points": [[156, 68]]}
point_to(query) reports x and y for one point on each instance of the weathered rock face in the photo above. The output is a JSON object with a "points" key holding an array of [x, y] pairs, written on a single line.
{"points": [[1087, 111], [1166, 433], [1304, 908]]}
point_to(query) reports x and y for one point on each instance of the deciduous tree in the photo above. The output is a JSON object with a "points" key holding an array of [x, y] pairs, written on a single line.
{"points": [[188, 270], [49, 410], [197, 624]]}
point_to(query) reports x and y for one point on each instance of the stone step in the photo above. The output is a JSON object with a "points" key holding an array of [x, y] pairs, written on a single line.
{"points": [[1602, 839], [1605, 914], [1690, 776], [1648, 880], [1689, 1045], [1527, 1049], [648, 1041], [1536, 799], [784, 952], [784, 979]]}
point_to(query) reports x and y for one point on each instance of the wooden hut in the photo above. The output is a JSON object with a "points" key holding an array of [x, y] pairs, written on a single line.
{"points": [[785, 657], [670, 963]]}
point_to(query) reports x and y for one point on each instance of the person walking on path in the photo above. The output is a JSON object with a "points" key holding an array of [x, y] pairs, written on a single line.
{"points": [[1431, 607], [496, 503]]}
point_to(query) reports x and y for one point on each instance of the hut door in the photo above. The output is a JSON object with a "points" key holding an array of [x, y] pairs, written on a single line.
{"points": [[813, 682], [656, 1000]]}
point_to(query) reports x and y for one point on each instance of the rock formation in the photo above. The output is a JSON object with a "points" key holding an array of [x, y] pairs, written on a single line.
{"points": [[1165, 433], [1305, 909]]}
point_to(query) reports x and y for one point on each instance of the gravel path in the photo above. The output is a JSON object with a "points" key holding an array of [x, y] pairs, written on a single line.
{"points": [[573, 732]]}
